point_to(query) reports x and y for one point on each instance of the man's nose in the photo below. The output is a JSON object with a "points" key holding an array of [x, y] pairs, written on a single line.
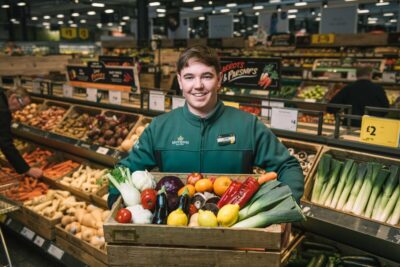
{"points": [[198, 83]]}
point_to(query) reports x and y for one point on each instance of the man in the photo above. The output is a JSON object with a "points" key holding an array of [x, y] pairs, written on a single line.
{"points": [[207, 137], [360, 94], [11, 101]]}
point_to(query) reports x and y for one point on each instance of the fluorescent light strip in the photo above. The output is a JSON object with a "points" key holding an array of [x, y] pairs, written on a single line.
{"points": [[291, 11], [75, 14], [388, 14], [154, 3], [291, 16], [91, 13], [225, 10], [5, 6], [109, 11], [188, 1], [382, 3], [161, 15], [257, 7], [231, 4], [197, 8], [21, 4], [46, 17], [362, 11], [98, 4], [300, 4], [393, 20], [60, 16], [257, 13], [161, 10], [202, 18], [34, 18], [125, 18]]}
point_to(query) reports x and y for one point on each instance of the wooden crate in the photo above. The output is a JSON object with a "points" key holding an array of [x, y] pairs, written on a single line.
{"points": [[343, 154], [80, 249], [156, 245], [97, 198], [307, 147]]}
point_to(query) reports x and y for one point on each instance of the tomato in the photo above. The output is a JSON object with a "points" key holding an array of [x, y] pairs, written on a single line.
{"points": [[123, 216], [193, 178], [148, 198]]}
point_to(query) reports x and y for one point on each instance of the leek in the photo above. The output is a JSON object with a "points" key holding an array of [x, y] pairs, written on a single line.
{"points": [[362, 170], [285, 212], [394, 219], [382, 175], [265, 188], [120, 177], [388, 189], [265, 202], [347, 187], [336, 167], [375, 211], [321, 177], [342, 181], [328, 201], [390, 205], [366, 189]]}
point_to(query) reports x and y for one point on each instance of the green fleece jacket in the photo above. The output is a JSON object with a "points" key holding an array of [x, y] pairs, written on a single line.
{"points": [[226, 141]]}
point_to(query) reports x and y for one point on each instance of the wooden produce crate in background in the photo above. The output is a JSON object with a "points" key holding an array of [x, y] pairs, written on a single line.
{"points": [[163, 245], [343, 154], [307, 147], [80, 249], [100, 197]]}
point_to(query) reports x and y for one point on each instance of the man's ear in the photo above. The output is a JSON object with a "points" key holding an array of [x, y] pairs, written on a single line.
{"points": [[12, 98], [179, 80], [219, 80]]}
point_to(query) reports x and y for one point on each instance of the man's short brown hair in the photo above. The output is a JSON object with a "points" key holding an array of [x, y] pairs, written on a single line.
{"points": [[364, 71], [18, 91], [200, 53]]}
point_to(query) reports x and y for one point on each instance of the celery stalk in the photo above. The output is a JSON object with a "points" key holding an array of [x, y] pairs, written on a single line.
{"points": [[342, 181], [382, 175], [333, 177], [361, 172], [321, 177], [388, 188], [347, 187]]}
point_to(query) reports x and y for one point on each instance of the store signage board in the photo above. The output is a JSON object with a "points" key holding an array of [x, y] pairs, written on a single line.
{"points": [[273, 22], [251, 73], [321, 39], [178, 102], [156, 101], [220, 26], [97, 75], [91, 94], [342, 19], [284, 119], [231, 104], [266, 112], [117, 61], [68, 90], [115, 97], [380, 131], [74, 34]]}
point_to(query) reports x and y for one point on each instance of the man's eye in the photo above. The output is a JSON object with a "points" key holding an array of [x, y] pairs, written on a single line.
{"points": [[208, 77], [188, 77]]}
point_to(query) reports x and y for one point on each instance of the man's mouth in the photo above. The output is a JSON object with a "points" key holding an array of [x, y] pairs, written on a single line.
{"points": [[200, 94]]}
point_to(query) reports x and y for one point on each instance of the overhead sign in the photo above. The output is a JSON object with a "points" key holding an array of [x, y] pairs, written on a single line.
{"points": [[380, 131], [251, 73], [322, 38], [220, 26], [74, 34], [97, 75], [339, 19], [117, 61]]}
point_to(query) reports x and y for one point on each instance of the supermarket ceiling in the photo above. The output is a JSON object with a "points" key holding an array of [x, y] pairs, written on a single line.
{"points": [[111, 13]]}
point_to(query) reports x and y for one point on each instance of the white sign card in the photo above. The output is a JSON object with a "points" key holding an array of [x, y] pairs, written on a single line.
{"points": [[39, 241], [284, 119], [178, 102], [182, 32], [68, 90], [91, 94], [115, 97], [28, 233], [36, 87], [156, 101], [55, 252], [266, 112], [220, 26], [339, 20]]}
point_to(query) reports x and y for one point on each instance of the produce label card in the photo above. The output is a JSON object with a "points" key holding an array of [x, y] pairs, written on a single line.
{"points": [[380, 131], [115, 97], [156, 101], [91, 94], [177, 102], [67, 90], [284, 119], [266, 112]]}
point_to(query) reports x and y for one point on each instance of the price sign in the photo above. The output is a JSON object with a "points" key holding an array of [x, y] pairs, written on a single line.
{"points": [[177, 102], [265, 112], [39, 241], [36, 87], [323, 38], [284, 119], [27, 233], [14, 125], [231, 104], [68, 90], [380, 131], [156, 101], [102, 150], [91, 94], [55, 252], [115, 97]]}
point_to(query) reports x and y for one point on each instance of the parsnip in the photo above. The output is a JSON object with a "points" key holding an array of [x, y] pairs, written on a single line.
{"points": [[41, 206]]}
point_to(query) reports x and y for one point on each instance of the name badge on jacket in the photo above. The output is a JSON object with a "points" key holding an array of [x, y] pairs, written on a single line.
{"points": [[226, 139]]}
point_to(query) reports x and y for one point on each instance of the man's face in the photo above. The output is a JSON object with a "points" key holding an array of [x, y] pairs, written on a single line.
{"points": [[17, 103], [200, 84]]}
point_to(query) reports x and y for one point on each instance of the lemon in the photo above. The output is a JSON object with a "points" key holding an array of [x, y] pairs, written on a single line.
{"points": [[177, 218], [207, 218], [228, 215]]}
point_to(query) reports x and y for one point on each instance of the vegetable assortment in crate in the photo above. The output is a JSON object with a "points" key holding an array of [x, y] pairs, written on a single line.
{"points": [[25, 189], [28, 114], [200, 209], [49, 115], [362, 184]]}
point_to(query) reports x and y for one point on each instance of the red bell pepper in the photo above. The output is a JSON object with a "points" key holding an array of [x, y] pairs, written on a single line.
{"points": [[246, 191], [229, 194]]}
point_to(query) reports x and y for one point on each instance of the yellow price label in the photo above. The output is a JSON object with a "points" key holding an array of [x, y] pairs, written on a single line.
{"points": [[380, 131], [68, 33], [231, 104], [323, 38], [83, 33]]}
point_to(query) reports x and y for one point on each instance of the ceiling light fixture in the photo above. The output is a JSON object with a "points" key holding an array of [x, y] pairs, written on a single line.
{"points": [[109, 11], [161, 15], [99, 25], [388, 14], [161, 10], [279, 8], [98, 4], [5, 6], [300, 3], [257, 13], [154, 3], [236, 20], [60, 22], [34, 18], [325, 4], [225, 10], [197, 8], [257, 7], [60, 16], [46, 17], [125, 18], [317, 18], [362, 11], [382, 3], [393, 20], [350, 0], [75, 14], [22, 3], [74, 25], [45, 23], [109, 24], [70, 21], [291, 16], [122, 23], [231, 5], [91, 13], [188, 1], [82, 21], [210, 2], [202, 18], [291, 11]]}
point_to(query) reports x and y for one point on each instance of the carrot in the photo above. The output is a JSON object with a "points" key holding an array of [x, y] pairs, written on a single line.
{"points": [[266, 177]]}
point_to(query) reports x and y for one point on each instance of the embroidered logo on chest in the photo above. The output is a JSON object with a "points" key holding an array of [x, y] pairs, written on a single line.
{"points": [[180, 141]]}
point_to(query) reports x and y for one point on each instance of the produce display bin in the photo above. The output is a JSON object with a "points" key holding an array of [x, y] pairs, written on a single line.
{"points": [[80, 249], [307, 147], [156, 245], [99, 198]]}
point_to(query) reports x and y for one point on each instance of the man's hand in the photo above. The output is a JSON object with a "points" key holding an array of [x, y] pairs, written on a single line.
{"points": [[35, 172]]}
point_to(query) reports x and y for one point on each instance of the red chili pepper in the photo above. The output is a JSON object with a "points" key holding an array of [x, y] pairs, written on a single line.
{"points": [[229, 194], [246, 191]]}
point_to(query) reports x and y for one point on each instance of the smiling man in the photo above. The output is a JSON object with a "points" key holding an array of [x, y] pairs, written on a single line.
{"points": [[207, 137]]}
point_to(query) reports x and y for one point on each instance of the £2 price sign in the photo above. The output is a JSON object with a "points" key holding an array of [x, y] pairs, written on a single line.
{"points": [[380, 131]]}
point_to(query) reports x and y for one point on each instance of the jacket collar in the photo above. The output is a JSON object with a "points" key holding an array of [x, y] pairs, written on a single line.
{"points": [[196, 120]]}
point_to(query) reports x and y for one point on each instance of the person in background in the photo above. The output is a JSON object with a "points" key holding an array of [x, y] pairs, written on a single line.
{"points": [[360, 94], [206, 136], [11, 101]]}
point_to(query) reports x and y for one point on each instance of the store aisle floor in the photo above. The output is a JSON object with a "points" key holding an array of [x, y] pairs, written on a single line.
{"points": [[24, 254]]}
